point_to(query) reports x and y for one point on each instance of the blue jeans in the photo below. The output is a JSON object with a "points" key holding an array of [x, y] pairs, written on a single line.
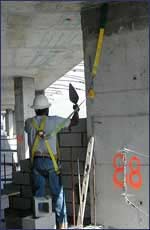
{"points": [[42, 169]]}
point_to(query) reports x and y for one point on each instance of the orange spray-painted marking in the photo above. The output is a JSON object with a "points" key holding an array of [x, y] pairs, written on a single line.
{"points": [[19, 138], [133, 171]]}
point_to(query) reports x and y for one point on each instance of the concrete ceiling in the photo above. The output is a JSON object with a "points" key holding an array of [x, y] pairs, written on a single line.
{"points": [[40, 39]]}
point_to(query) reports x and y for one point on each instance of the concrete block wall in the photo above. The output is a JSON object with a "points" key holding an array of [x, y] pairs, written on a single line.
{"points": [[73, 145], [118, 115], [20, 205]]}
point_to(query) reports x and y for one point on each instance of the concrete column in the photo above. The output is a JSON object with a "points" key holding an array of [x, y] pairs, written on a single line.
{"points": [[14, 122], [4, 121], [24, 94], [9, 123], [118, 115]]}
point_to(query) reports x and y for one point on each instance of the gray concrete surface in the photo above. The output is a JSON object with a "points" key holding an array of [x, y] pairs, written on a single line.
{"points": [[118, 116], [37, 38]]}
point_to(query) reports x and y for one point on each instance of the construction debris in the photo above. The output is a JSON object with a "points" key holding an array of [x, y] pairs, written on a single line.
{"points": [[87, 227]]}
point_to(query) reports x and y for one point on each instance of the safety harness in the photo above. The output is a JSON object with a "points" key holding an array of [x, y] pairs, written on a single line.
{"points": [[41, 135]]}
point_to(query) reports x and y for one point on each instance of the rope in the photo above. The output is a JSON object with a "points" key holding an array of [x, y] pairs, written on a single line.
{"points": [[133, 205], [125, 189], [132, 151]]}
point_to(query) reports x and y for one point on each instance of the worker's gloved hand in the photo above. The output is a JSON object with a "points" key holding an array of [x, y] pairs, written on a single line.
{"points": [[74, 120], [76, 108]]}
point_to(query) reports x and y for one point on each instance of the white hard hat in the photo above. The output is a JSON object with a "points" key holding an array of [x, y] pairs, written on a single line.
{"points": [[40, 102]]}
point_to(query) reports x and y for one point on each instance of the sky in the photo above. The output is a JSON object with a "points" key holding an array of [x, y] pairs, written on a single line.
{"points": [[58, 92]]}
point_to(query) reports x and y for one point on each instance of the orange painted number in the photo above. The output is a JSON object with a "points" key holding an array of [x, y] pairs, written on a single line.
{"points": [[118, 169], [133, 171]]}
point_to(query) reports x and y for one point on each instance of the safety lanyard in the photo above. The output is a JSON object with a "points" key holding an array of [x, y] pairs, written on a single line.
{"points": [[37, 138]]}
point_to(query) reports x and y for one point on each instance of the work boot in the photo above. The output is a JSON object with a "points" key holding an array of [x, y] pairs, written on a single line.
{"points": [[63, 226]]}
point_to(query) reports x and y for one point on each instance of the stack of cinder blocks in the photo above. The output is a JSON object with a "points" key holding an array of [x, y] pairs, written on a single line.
{"points": [[21, 205], [4, 205]]}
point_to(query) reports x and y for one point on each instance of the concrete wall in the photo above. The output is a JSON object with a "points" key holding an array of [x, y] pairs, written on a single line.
{"points": [[118, 116]]}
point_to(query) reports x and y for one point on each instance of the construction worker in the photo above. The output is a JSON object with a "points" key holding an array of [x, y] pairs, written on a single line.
{"points": [[43, 154]]}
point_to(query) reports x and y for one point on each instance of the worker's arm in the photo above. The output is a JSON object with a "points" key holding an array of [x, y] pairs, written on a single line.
{"points": [[68, 122]]}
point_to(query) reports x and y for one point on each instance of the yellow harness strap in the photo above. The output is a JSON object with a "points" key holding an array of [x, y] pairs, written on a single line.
{"points": [[37, 138], [36, 142], [52, 156]]}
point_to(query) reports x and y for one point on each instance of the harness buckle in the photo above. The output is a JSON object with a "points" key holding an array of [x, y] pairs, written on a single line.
{"points": [[41, 133]]}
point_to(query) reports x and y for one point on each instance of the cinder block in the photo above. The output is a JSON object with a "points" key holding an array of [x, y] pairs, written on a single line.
{"points": [[11, 187], [25, 165], [22, 178], [47, 206], [11, 201], [12, 219], [79, 153], [44, 222], [12, 213], [84, 139], [67, 181], [65, 153], [4, 202], [22, 203], [67, 167], [13, 223], [26, 191], [70, 139]]}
